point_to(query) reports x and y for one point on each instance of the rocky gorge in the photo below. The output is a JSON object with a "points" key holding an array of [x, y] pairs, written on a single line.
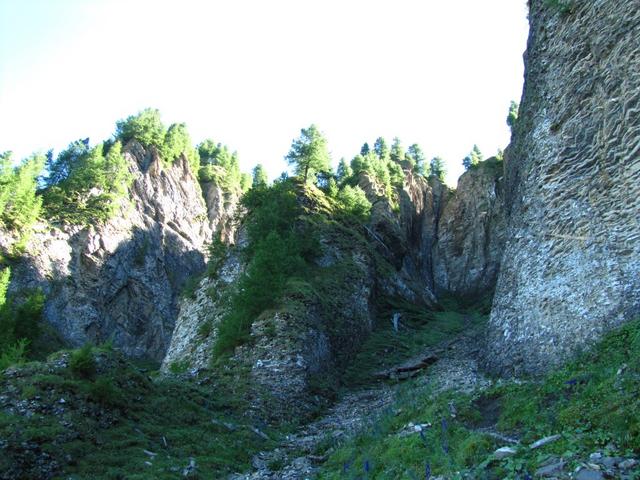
{"points": [[446, 331]]}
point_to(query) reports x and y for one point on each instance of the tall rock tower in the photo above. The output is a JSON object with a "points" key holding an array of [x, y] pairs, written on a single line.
{"points": [[571, 266]]}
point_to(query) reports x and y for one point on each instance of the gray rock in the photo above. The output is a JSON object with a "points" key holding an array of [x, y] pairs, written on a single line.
{"points": [[628, 464], [504, 452], [588, 474], [544, 441], [550, 470], [121, 281], [571, 261]]}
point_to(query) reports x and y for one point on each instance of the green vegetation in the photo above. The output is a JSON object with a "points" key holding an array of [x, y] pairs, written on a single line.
{"points": [[19, 204], [86, 185], [278, 251], [260, 178], [473, 159], [221, 166], [437, 168], [309, 154], [20, 323], [591, 402], [147, 128], [123, 424], [512, 117]]}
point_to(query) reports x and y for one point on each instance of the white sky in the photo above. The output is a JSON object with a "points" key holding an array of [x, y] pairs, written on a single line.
{"points": [[251, 74]]}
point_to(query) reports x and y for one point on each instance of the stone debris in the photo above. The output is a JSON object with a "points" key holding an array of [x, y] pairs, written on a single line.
{"points": [[544, 441]]}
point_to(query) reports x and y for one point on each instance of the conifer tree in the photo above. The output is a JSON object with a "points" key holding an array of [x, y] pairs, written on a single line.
{"points": [[309, 154], [260, 178]]}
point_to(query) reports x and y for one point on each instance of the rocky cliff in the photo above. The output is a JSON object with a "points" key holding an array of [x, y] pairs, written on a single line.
{"points": [[120, 281], [571, 262]]}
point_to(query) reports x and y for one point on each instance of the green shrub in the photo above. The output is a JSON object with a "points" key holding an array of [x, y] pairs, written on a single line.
{"points": [[15, 354], [86, 185], [102, 390], [82, 362], [278, 248], [353, 201], [19, 205]]}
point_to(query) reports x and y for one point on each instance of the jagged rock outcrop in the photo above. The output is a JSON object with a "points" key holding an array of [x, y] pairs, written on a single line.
{"points": [[302, 344], [121, 280], [470, 234], [571, 262], [450, 241]]}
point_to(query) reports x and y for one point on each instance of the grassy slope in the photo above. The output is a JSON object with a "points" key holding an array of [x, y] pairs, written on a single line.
{"points": [[110, 417], [592, 402]]}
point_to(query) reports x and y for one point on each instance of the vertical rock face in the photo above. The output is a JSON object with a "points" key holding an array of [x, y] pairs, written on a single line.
{"points": [[470, 237], [121, 280], [571, 262]]}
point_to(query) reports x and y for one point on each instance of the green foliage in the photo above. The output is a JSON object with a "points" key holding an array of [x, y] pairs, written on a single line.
{"points": [[387, 174], [416, 156], [19, 204], [86, 185], [344, 171], [277, 253], [381, 149], [397, 152], [82, 362], [592, 402], [309, 154], [174, 418], [20, 321], [178, 142], [473, 159], [171, 143], [512, 117], [15, 354], [218, 164], [260, 178], [353, 201], [437, 168], [145, 127]]}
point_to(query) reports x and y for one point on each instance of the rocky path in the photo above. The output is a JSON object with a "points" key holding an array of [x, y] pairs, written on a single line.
{"points": [[452, 365]]}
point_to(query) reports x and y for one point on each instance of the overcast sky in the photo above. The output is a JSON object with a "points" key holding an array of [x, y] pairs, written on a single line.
{"points": [[251, 73]]}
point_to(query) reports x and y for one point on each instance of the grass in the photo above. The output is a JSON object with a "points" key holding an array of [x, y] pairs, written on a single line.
{"points": [[592, 402], [105, 422], [419, 330]]}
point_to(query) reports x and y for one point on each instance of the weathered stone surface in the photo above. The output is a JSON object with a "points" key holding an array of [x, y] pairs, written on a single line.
{"points": [[470, 236], [571, 261], [121, 280]]}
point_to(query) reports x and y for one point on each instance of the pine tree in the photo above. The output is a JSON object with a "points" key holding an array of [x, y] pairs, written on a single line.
{"points": [[437, 167], [365, 149], [309, 153], [512, 117], [414, 152], [260, 178], [397, 152], [344, 170], [381, 148]]}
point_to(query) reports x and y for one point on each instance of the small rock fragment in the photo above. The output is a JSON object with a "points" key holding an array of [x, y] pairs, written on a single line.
{"points": [[628, 464], [587, 474], [504, 452], [550, 470], [544, 441]]}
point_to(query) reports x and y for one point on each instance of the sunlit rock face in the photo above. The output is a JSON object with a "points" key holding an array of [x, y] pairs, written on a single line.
{"points": [[120, 281], [571, 262]]}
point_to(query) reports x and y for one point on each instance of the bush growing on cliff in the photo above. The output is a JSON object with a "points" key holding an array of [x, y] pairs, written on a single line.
{"points": [[278, 250], [20, 322], [218, 164], [19, 204], [86, 185], [147, 128]]}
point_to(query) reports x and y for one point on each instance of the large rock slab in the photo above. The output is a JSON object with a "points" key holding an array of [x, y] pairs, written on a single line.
{"points": [[571, 261]]}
